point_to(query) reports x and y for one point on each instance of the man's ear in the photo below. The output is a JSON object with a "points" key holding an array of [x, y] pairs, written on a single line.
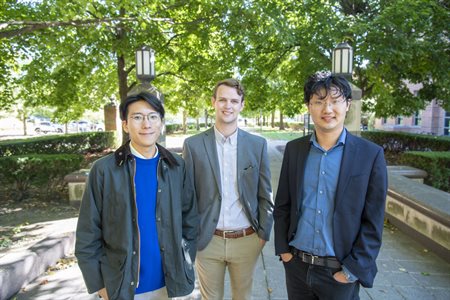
{"points": [[349, 103], [125, 126], [213, 100]]}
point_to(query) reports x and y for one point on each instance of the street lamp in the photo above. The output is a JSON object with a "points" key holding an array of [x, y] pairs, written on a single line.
{"points": [[145, 64], [342, 62], [342, 65]]}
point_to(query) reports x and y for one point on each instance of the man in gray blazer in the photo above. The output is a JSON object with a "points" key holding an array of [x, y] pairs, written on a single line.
{"points": [[230, 173]]}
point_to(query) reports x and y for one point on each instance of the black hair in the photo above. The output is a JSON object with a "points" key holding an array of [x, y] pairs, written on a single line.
{"points": [[324, 81], [141, 96]]}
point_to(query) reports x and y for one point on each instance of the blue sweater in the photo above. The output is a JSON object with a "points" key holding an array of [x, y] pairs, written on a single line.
{"points": [[151, 275]]}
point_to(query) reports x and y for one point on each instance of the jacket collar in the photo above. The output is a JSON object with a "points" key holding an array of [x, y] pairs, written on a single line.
{"points": [[123, 153]]}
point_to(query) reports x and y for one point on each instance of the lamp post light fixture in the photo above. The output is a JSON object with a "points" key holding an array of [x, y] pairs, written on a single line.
{"points": [[145, 64], [342, 62]]}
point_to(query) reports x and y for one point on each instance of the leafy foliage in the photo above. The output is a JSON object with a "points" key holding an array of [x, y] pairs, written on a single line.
{"points": [[80, 143], [436, 164], [42, 170], [76, 55]]}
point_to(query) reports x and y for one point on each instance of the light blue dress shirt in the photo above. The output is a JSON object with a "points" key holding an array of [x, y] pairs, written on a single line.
{"points": [[315, 227]]}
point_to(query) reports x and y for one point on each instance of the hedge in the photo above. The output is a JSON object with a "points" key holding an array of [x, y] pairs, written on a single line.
{"points": [[45, 172], [436, 164], [80, 143]]}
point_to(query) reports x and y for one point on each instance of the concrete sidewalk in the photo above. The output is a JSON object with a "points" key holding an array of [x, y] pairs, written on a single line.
{"points": [[406, 269]]}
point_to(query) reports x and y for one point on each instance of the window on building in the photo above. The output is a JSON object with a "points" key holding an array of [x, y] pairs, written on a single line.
{"points": [[399, 120], [447, 123], [384, 121], [417, 119]]}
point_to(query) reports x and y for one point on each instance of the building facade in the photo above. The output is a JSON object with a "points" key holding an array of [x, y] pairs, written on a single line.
{"points": [[433, 120]]}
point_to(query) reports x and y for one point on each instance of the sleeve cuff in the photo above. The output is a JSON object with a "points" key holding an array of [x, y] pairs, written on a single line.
{"points": [[350, 276]]}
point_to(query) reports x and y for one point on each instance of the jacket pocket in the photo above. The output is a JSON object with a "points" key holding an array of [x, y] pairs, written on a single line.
{"points": [[187, 261], [113, 272]]}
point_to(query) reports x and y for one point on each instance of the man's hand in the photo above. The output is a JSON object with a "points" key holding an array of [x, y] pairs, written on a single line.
{"points": [[286, 257], [103, 294], [340, 277], [262, 242]]}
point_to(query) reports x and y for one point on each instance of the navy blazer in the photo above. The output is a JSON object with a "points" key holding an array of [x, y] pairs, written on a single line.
{"points": [[359, 203]]}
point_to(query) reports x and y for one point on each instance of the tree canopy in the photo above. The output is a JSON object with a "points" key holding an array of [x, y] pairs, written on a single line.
{"points": [[75, 55]]}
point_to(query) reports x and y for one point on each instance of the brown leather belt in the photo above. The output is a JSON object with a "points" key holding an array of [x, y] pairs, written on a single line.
{"points": [[324, 261], [234, 234]]}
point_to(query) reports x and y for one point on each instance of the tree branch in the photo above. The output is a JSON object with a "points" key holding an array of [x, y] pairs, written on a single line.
{"points": [[31, 26]]}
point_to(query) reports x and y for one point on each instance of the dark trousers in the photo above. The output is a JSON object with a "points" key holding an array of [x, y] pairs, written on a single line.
{"points": [[305, 281]]}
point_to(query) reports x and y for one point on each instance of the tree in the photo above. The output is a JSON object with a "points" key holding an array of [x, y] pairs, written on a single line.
{"points": [[73, 55]]}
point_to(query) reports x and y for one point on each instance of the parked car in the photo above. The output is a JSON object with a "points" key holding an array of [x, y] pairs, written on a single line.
{"points": [[46, 127]]}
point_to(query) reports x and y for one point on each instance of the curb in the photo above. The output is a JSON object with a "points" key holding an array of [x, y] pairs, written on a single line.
{"points": [[20, 268]]}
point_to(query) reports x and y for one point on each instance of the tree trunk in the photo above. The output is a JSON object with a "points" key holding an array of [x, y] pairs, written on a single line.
{"points": [[122, 72], [24, 121], [273, 120], [184, 122], [281, 121]]}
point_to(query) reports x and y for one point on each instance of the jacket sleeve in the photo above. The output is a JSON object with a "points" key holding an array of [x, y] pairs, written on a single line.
{"points": [[265, 200], [282, 209], [88, 245], [367, 245], [190, 212]]}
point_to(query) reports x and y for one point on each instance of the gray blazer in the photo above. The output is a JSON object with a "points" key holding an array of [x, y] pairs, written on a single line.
{"points": [[254, 186]]}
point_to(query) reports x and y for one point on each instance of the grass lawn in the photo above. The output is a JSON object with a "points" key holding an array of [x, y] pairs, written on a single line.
{"points": [[268, 133], [284, 135]]}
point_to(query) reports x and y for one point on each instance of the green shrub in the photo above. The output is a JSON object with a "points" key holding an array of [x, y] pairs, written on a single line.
{"points": [[43, 171], [296, 126], [436, 164], [395, 143], [79, 143], [171, 128]]}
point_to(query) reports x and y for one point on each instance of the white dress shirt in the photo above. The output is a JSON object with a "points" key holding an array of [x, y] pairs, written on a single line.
{"points": [[232, 215]]}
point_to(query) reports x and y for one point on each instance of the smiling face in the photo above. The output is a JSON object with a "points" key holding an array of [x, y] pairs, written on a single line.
{"points": [[145, 132], [228, 104], [328, 112]]}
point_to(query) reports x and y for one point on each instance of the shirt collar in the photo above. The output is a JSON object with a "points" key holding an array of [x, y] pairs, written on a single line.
{"points": [[220, 138], [139, 155], [340, 140]]}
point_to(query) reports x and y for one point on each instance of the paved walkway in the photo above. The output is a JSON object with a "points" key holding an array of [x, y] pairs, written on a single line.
{"points": [[406, 269]]}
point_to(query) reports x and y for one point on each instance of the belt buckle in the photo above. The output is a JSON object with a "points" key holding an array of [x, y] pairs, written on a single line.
{"points": [[225, 232], [313, 257]]}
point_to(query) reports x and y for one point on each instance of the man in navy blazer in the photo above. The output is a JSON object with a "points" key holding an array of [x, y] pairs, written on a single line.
{"points": [[329, 208]]}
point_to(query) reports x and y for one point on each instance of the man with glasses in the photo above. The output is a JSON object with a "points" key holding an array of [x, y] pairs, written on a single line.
{"points": [[137, 229], [230, 169], [329, 208]]}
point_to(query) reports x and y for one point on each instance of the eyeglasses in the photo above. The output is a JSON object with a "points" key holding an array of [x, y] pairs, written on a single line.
{"points": [[151, 117], [332, 103]]}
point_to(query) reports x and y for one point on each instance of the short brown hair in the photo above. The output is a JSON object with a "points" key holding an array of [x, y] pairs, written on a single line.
{"points": [[233, 83]]}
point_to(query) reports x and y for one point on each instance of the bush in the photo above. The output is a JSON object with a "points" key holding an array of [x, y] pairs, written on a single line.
{"points": [[80, 143], [395, 143], [171, 128], [296, 126], [436, 164], [43, 171]]}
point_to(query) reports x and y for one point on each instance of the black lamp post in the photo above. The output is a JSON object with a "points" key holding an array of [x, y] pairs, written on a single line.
{"points": [[342, 62]]}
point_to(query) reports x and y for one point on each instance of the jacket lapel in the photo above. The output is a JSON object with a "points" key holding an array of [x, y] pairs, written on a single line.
{"points": [[241, 159], [348, 162], [302, 154], [209, 141]]}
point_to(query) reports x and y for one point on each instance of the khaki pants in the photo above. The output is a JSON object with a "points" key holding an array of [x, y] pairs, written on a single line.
{"points": [[239, 255], [153, 295]]}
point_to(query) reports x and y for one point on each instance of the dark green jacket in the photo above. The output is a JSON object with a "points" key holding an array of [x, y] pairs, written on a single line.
{"points": [[107, 237]]}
